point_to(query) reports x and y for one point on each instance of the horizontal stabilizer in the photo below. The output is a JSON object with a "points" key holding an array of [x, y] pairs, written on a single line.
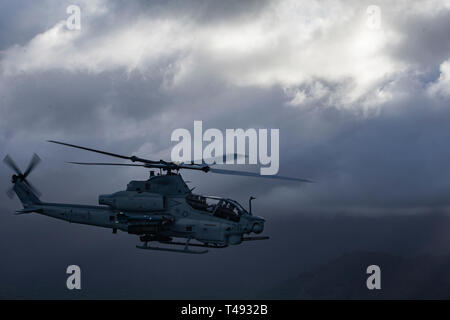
{"points": [[28, 210]]}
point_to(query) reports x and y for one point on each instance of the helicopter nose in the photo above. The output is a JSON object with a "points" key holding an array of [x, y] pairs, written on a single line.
{"points": [[258, 227]]}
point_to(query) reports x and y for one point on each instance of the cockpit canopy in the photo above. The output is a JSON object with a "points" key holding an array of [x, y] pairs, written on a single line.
{"points": [[219, 207]]}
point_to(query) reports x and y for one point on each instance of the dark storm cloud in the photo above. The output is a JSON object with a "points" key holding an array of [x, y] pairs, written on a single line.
{"points": [[52, 102], [21, 20], [390, 156], [425, 41], [363, 123]]}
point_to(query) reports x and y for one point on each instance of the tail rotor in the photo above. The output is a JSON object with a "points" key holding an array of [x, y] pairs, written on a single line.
{"points": [[19, 176], [33, 163]]}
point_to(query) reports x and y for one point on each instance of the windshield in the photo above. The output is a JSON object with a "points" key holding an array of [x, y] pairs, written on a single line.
{"points": [[219, 207], [238, 205]]}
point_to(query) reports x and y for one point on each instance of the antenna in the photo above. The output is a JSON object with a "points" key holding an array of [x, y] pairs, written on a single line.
{"points": [[250, 204]]}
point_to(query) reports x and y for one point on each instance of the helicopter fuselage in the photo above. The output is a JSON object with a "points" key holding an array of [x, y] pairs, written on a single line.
{"points": [[158, 209]]}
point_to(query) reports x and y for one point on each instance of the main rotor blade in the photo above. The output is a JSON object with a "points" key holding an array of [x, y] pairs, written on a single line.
{"points": [[10, 163], [132, 158], [92, 150], [223, 158], [107, 164], [253, 174], [148, 165], [33, 163], [193, 167]]}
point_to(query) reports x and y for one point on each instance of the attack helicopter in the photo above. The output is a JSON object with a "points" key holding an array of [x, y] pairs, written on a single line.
{"points": [[158, 210]]}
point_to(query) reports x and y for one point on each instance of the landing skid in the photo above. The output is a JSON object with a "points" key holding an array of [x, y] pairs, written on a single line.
{"points": [[186, 245], [255, 238], [172, 249], [215, 246], [185, 250]]}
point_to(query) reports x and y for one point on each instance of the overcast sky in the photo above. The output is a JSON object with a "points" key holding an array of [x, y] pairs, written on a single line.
{"points": [[362, 105], [363, 108]]}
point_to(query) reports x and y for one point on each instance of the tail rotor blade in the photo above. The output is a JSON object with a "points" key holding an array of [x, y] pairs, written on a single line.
{"points": [[10, 163], [33, 163], [10, 193], [33, 188]]}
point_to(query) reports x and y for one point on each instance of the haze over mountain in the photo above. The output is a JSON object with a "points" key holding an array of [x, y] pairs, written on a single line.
{"points": [[421, 277]]}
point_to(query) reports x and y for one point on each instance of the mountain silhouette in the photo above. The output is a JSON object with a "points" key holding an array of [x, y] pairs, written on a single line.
{"points": [[420, 277]]}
